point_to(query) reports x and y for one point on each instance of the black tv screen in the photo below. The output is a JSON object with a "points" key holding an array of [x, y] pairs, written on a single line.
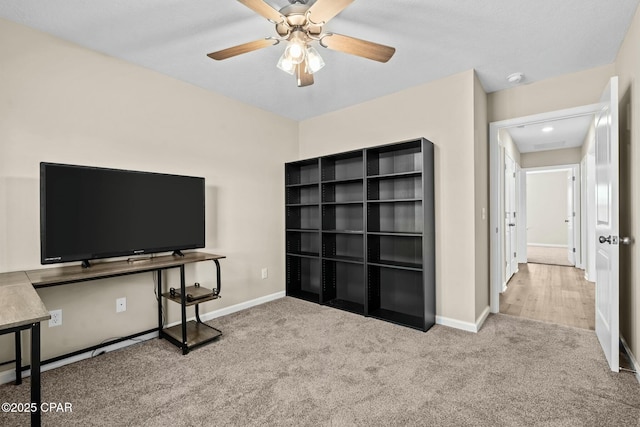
{"points": [[88, 213]]}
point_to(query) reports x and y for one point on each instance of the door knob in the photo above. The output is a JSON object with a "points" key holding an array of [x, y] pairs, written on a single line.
{"points": [[566, 220], [512, 224], [614, 240]]}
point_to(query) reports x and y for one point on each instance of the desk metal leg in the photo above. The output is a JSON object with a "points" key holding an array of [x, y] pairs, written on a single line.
{"points": [[160, 325], [185, 347], [18, 358], [218, 279], [35, 374]]}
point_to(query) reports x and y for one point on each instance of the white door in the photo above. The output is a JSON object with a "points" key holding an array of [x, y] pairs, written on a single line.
{"points": [[607, 238], [570, 220], [511, 238]]}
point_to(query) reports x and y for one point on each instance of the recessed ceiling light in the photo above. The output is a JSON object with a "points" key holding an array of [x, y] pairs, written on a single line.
{"points": [[547, 129]]}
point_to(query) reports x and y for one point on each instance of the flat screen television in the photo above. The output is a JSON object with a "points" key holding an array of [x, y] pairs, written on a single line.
{"points": [[89, 213]]}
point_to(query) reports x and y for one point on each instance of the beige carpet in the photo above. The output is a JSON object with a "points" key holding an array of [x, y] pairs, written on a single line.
{"points": [[547, 255], [294, 363]]}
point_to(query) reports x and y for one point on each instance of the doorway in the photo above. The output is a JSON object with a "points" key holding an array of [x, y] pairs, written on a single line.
{"points": [[604, 217], [503, 136], [553, 215]]}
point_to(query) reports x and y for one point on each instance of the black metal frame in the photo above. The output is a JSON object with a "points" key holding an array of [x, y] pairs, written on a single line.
{"points": [[183, 343], [36, 397]]}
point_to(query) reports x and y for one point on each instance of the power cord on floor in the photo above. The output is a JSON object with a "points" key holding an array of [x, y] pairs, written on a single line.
{"points": [[93, 353]]}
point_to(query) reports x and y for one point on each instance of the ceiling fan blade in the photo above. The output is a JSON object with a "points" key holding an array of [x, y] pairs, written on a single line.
{"points": [[262, 8], [241, 48], [304, 78], [354, 46], [323, 10]]}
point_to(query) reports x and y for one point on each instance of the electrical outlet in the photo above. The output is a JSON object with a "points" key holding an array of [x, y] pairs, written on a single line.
{"points": [[265, 273], [121, 305], [56, 318]]}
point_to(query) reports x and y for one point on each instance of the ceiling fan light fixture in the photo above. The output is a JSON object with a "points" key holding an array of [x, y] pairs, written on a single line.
{"points": [[286, 65], [295, 52], [296, 48], [314, 60]]}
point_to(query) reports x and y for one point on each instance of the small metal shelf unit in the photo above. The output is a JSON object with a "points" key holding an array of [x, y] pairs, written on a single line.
{"points": [[189, 334]]}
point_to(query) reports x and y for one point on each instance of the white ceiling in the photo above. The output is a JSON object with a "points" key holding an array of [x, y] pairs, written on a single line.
{"points": [[565, 133], [433, 38]]}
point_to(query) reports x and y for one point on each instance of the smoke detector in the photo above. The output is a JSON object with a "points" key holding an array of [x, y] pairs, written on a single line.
{"points": [[515, 78]]}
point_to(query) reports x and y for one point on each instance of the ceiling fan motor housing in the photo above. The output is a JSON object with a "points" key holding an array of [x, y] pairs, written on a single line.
{"points": [[296, 18]]}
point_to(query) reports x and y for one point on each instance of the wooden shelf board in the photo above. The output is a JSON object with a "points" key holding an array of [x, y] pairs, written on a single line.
{"points": [[192, 290], [197, 333]]}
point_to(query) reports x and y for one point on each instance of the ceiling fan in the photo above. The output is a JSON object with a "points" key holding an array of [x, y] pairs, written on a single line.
{"points": [[300, 25]]}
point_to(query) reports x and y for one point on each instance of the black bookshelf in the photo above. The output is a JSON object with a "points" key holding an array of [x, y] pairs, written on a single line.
{"points": [[360, 232]]}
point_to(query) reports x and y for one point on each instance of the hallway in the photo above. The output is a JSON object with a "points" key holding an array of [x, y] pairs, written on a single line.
{"points": [[550, 293]]}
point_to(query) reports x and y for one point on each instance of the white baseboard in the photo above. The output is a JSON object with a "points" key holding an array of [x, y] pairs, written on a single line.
{"points": [[547, 245], [241, 306], [465, 326], [634, 364], [10, 375]]}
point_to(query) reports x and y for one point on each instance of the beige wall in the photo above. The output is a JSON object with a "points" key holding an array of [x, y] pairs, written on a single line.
{"points": [[442, 112], [627, 67], [567, 156], [63, 103], [510, 147], [558, 93], [481, 190]]}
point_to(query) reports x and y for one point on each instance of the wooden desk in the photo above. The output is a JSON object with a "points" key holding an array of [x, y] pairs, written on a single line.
{"points": [[21, 308]]}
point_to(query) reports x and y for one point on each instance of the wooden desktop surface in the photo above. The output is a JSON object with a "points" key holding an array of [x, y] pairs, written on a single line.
{"points": [[19, 302], [75, 273]]}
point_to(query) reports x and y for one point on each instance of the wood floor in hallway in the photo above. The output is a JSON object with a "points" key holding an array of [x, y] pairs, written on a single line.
{"points": [[550, 293]]}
